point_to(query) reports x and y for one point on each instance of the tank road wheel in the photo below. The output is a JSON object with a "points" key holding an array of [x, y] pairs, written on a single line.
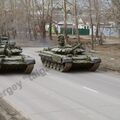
{"points": [[48, 64], [45, 63], [61, 69], [54, 66], [42, 60], [29, 69], [58, 67], [51, 65]]}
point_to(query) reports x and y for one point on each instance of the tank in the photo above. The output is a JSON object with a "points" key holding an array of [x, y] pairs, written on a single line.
{"points": [[12, 59], [65, 58]]}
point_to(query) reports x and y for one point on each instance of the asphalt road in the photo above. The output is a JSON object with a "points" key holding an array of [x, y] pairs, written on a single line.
{"points": [[50, 95]]}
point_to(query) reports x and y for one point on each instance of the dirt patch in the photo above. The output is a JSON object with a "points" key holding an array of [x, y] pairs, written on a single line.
{"points": [[110, 55], [7, 112]]}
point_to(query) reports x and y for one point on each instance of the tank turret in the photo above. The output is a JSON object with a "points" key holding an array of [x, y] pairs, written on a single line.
{"points": [[68, 50]]}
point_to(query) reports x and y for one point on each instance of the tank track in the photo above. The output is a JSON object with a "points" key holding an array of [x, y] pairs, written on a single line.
{"points": [[94, 67], [29, 69], [57, 66]]}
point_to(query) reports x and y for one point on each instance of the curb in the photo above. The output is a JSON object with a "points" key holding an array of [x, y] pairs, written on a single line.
{"points": [[7, 112]]}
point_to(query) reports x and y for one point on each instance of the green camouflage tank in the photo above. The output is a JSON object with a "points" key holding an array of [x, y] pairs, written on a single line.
{"points": [[65, 57], [12, 59]]}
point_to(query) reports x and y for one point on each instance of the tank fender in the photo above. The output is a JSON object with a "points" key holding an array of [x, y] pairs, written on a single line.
{"points": [[28, 60], [67, 60], [57, 59], [95, 59]]}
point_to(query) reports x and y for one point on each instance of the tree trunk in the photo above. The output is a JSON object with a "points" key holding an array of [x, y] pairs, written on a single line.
{"points": [[43, 31], [119, 32], [43, 23], [50, 25], [65, 21], [50, 30], [92, 28], [76, 20]]}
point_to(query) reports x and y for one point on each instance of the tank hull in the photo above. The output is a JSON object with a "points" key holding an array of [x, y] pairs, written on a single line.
{"points": [[18, 64], [65, 63]]}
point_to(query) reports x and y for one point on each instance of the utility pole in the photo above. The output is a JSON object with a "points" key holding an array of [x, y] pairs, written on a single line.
{"points": [[65, 20], [76, 20]]}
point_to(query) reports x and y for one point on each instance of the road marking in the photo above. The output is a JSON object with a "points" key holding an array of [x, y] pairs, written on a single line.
{"points": [[92, 90]]}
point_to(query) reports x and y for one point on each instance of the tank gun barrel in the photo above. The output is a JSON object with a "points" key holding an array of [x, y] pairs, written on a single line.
{"points": [[75, 47]]}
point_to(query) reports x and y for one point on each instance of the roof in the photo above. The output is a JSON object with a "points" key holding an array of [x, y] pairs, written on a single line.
{"points": [[62, 23]]}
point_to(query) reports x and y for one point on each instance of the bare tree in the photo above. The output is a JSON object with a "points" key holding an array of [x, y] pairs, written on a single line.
{"points": [[50, 21], [65, 19], [116, 11], [76, 20], [97, 15], [91, 22]]}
